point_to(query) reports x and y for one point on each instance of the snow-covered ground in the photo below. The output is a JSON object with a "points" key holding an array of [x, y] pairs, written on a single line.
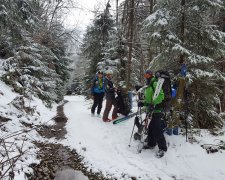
{"points": [[15, 133], [104, 147]]}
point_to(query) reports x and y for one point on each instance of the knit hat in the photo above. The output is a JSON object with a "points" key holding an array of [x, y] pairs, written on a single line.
{"points": [[109, 71]]}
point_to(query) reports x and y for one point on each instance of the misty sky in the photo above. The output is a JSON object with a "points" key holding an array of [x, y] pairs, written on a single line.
{"points": [[82, 16]]}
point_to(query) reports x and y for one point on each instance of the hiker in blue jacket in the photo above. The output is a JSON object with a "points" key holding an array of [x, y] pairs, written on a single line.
{"points": [[98, 92]]}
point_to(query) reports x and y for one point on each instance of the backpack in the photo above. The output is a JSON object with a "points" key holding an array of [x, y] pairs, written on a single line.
{"points": [[166, 86], [123, 102]]}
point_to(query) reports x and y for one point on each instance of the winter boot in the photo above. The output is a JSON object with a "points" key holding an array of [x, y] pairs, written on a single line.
{"points": [[148, 147], [114, 117], [107, 120], [160, 153]]}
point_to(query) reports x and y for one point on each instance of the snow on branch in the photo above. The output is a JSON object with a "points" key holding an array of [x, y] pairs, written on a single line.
{"points": [[202, 74], [181, 49], [159, 18], [197, 59]]}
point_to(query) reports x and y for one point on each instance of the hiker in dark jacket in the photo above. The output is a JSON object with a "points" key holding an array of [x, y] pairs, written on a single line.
{"points": [[98, 92], [110, 97], [153, 103]]}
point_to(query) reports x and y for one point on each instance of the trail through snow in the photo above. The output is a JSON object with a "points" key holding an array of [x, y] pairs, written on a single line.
{"points": [[104, 147]]}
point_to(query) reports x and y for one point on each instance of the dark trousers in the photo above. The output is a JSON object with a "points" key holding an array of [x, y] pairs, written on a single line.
{"points": [[108, 106], [98, 98], [155, 132]]}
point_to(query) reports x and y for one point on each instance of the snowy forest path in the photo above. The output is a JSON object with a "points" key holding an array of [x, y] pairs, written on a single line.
{"points": [[59, 161], [57, 130], [104, 147]]}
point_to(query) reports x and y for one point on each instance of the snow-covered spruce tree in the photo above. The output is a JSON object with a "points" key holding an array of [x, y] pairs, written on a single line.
{"points": [[181, 31], [116, 49], [34, 56], [220, 19], [94, 42], [140, 47]]}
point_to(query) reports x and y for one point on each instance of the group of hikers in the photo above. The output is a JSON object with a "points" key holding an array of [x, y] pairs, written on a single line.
{"points": [[103, 85]]}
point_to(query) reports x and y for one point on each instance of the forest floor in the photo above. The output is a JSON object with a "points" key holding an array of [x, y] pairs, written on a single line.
{"points": [[54, 157]]}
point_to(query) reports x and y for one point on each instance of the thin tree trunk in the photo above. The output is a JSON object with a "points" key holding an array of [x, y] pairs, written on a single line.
{"points": [[223, 101], [131, 23], [117, 16], [152, 3], [223, 88], [182, 28], [142, 67]]}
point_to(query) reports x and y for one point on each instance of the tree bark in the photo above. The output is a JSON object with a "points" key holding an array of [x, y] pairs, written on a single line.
{"points": [[130, 27], [152, 3], [117, 16], [182, 28]]}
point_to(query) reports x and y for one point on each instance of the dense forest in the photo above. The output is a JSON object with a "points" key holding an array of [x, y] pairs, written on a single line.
{"points": [[34, 47], [46, 77], [162, 35], [139, 34]]}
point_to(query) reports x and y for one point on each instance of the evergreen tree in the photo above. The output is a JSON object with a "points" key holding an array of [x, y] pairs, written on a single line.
{"points": [[95, 40], [185, 31], [35, 56], [220, 20]]}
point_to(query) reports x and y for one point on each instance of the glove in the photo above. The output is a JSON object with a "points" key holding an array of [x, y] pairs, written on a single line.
{"points": [[151, 107], [140, 104], [137, 87]]}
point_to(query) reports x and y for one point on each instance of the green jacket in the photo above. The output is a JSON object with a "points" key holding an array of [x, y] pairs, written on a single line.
{"points": [[149, 93]]}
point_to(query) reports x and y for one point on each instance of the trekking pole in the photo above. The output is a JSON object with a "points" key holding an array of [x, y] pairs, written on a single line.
{"points": [[147, 121], [134, 126], [139, 108], [186, 113]]}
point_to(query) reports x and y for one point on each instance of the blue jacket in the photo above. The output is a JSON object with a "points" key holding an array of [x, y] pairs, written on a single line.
{"points": [[96, 86]]}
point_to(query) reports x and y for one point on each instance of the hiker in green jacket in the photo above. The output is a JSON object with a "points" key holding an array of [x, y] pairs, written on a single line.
{"points": [[155, 128]]}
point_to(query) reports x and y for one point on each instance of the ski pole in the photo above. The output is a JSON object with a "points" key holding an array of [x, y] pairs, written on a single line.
{"points": [[148, 118], [133, 126], [186, 113]]}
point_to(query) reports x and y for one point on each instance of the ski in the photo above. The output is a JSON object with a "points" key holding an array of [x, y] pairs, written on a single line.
{"points": [[158, 87], [119, 120]]}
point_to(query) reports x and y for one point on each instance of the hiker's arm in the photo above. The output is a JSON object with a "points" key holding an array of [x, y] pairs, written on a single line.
{"points": [[108, 88], [92, 87]]}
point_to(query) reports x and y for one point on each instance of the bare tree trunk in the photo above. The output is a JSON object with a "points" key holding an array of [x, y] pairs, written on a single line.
{"points": [[117, 13], [125, 18], [142, 67], [130, 27], [150, 51], [223, 101], [152, 3], [182, 28], [223, 88]]}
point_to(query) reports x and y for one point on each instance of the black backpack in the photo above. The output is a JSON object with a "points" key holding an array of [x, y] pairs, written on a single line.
{"points": [[123, 102], [166, 104]]}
